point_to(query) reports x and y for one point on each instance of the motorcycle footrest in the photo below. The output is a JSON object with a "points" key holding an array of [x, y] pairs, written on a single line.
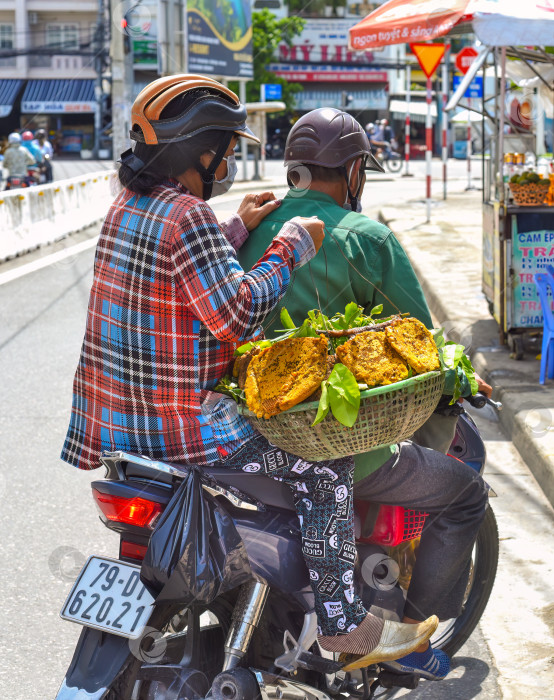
{"points": [[312, 662], [390, 679]]}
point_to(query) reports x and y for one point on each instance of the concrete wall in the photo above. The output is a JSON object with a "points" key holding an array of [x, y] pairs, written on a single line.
{"points": [[43, 214]]}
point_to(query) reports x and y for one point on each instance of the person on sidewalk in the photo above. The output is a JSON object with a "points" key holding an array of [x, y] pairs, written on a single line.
{"points": [[16, 157], [169, 305], [327, 153]]}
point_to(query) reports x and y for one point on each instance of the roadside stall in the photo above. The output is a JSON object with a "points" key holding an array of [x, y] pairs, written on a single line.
{"points": [[518, 216]]}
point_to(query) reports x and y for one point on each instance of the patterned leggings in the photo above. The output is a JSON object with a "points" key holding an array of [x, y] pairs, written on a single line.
{"points": [[323, 499]]}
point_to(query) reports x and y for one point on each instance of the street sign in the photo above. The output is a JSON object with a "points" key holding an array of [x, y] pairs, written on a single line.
{"points": [[465, 58], [474, 89], [429, 56], [271, 91]]}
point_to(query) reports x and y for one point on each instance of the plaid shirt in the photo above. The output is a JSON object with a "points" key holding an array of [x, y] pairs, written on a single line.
{"points": [[168, 306]]}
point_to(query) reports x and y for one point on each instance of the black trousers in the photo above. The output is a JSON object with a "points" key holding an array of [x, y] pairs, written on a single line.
{"points": [[455, 497]]}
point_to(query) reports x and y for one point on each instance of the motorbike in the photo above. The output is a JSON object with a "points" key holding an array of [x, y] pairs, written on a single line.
{"points": [[258, 640], [15, 182], [392, 160]]}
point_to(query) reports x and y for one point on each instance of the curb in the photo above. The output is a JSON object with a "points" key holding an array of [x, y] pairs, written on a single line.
{"points": [[521, 403]]}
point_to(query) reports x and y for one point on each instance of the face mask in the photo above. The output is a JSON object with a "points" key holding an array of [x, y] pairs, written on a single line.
{"points": [[224, 185]]}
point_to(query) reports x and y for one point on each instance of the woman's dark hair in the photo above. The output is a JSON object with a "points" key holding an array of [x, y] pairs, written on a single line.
{"points": [[148, 177]]}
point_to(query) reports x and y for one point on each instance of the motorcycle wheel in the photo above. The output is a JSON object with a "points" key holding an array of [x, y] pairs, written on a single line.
{"points": [[393, 165], [453, 634]]}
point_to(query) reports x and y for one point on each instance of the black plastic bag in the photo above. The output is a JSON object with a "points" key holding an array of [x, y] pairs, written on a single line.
{"points": [[195, 553]]}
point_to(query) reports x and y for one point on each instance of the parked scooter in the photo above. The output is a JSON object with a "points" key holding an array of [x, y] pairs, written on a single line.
{"points": [[259, 640]]}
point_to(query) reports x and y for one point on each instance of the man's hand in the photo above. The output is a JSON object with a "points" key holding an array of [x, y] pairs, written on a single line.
{"points": [[314, 226], [255, 207], [484, 388]]}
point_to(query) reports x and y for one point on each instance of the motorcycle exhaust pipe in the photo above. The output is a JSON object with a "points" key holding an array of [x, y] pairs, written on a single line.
{"points": [[246, 616]]}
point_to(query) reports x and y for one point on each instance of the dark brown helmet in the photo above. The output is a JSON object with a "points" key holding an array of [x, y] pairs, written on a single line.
{"points": [[330, 138]]}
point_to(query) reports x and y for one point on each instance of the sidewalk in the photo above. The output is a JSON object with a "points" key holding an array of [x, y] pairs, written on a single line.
{"points": [[446, 255]]}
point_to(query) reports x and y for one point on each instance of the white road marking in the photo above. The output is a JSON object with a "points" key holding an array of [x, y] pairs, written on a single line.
{"points": [[47, 260]]}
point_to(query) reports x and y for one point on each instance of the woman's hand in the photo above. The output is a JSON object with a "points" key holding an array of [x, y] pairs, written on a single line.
{"points": [[484, 388], [255, 207]]}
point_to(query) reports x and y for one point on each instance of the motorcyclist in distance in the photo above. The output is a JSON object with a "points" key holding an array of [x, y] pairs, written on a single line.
{"points": [[17, 158], [169, 305], [47, 151]]}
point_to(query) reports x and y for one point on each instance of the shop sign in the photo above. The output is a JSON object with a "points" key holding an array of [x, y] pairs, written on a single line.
{"points": [[370, 99], [220, 38], [531, 252], [55, 107], [5, 110], [145, 52], [323, 41], [328, 74]]}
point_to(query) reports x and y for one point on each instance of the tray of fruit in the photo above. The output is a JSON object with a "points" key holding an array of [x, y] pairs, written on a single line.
{"points": [[529, 189]]}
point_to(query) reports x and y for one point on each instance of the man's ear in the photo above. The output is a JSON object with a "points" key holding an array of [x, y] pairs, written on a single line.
{"points": [[357, 165]]}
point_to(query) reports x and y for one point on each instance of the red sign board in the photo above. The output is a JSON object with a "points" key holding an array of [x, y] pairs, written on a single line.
{"points": [[465, 58], [429, 56]]}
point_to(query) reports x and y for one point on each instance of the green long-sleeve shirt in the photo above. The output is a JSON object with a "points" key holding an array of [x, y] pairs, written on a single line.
{"points": [[360, 260]]}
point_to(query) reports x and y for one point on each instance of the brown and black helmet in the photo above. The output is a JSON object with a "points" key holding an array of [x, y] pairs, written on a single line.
{"points": [[161, 141], [330, 138]]}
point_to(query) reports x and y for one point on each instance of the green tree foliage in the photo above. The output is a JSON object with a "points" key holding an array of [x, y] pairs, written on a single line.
{"points": [[267, 33]]}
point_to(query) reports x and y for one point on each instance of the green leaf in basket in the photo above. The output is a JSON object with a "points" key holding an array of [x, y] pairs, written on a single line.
{"points": [[452, 354], [286, 319], [323, 408], [376, 310], [344, 395], [468, 370], [305, 331], [438, 336], [351, 313]]}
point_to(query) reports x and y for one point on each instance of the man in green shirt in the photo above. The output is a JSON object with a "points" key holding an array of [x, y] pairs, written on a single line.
{"points": [[327, 153]]}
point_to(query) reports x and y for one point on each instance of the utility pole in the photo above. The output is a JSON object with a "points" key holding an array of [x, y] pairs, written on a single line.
{"points": [[99, 49], [122, 77]]}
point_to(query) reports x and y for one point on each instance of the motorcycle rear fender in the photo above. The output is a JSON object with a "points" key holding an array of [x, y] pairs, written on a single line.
{"points": [[97, 661]]}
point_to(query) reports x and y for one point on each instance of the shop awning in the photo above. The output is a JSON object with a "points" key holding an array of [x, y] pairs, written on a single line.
{"points": [[418, 110], [495, 23], [59, 97], [9, 90]]}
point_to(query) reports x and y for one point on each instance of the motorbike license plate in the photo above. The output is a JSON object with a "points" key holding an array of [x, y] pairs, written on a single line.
{"points": [[109, 595]]}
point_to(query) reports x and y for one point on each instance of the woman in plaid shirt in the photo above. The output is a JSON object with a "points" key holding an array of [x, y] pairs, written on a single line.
{"points": [[168, 306]]}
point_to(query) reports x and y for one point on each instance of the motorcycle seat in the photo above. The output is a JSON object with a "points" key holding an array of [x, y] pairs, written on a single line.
{"points": [[274, 494], [259, 487]]}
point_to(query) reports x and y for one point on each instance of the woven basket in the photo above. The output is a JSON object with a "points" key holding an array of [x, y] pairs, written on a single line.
{"points": [[530, 195], [388, 414]]}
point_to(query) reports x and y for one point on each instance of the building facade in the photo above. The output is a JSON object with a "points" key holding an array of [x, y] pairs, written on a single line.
{"points": [[49, 55]]}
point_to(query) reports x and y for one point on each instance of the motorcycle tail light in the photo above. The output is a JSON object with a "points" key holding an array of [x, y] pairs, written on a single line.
{"points": [[132, 550], [130, 511], [393, 525]]}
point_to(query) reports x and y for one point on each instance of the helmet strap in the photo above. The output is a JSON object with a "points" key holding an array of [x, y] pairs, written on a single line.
{"points": [[208, 174], [353, 198]]}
